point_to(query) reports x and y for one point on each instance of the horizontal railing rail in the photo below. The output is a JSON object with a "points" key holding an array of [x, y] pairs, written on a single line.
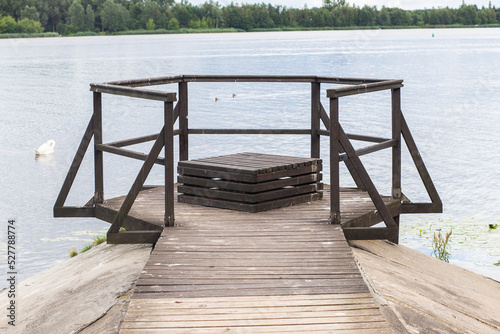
{"points": [[244, 78], [341, 148]]}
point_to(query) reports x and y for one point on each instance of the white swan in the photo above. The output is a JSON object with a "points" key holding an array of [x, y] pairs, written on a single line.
{"points": [[46, 148]]}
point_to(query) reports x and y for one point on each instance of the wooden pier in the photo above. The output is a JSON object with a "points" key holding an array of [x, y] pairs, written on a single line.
{"points": [[286, 269]]}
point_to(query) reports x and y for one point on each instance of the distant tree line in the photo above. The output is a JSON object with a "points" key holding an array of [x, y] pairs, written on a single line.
{"points": [[72, 16]]}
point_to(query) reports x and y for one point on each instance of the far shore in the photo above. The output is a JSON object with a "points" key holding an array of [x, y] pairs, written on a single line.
{"points": [[234, 30]]}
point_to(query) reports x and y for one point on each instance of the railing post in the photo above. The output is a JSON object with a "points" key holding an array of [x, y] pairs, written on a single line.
{"points": [[169, 163], [98, 154], [396, 149], [315, 119], [334, 162], [183, 122]]}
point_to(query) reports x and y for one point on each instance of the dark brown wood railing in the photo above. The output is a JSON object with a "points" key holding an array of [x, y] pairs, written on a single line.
{"points": [[341, 149]]}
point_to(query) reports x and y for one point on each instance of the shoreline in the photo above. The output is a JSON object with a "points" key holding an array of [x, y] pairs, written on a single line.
{"points": [[235, 30]]}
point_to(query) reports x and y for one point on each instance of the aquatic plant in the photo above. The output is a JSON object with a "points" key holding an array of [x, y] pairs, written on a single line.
{"points": [[73, 252], [87, 247], [440, 246], [493, 226], [98, 239]]}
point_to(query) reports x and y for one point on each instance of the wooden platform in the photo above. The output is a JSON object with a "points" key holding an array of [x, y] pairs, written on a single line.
{"points": [[251, 182], [148, 210], [281, 271]]}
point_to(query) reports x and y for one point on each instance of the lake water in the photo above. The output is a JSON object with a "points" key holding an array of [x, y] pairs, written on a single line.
{"points": [[451, 101]]}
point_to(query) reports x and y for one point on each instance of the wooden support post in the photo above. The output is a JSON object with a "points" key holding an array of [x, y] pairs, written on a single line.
{"points": [[315, 119], [334, 162], [396, 149], [183, 121], [169, 162], [395, 237], [98, 154]]}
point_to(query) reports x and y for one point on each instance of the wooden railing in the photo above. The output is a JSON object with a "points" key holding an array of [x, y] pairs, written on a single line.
{"points": [[341, 149]]}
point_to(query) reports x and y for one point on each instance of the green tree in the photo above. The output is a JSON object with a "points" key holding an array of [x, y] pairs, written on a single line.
{"points": [[399, 17], [468, 14], [384, 18], [29, 26], [30, 13], [77, 15], [52, 12], [8, 25], [434, 17], [89, 18], [151, 25], [445, 17], [173, 24], [490, 15], [151, 11], [366, 16], [114, 16]]}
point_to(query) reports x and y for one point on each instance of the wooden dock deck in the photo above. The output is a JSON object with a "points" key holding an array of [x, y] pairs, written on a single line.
{"points": [[286, 270], [221, 271]]}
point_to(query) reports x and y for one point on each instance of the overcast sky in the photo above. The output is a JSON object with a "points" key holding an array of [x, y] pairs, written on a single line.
{"points": [[404, 4]]}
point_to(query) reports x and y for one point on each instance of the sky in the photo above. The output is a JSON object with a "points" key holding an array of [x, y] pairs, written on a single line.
{"points": [[404, 4]]}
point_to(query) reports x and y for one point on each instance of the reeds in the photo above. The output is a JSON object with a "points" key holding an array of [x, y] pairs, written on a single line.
{"points": [[440, 246]]}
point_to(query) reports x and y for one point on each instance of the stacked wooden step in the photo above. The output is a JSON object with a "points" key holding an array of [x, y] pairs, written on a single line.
{"points": [[250, 182]]}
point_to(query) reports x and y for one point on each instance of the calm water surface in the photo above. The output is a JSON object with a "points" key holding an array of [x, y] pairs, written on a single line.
{"points": [[451, 101]]}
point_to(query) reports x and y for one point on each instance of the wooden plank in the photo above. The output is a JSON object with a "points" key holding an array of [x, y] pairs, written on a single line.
{"points": [[315, 119], [133, 237], [293, 200], [249, 187], [183, 122], [256, 322], [74, 211], [168, 114], [396, 136], [249, 163], [251, 292], [247, 178], [255, 161], [370, 149], [375, 328], [249, 198], [422, 208], [127, 153], [130, 223], [98, 156], [363, 88], [335, 216], [371, 233], [148, 94], [133, 141], [249, 131], [372, 217]]}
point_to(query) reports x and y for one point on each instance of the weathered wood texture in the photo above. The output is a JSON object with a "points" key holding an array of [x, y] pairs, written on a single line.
{"points": [[227, 192], [281, 271], [356, 206]]}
